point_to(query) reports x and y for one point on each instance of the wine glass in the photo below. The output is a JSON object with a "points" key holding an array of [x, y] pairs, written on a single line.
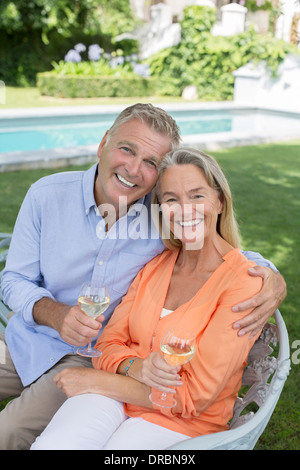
{"points": [[93, 300], [177, 347]]}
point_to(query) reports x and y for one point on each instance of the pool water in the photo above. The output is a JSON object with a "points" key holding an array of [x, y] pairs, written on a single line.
{"points": [[25, 134], [51, 132]]}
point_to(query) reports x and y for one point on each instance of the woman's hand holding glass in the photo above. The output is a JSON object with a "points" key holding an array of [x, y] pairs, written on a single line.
{"points": [[157, 373], [177, 347]]}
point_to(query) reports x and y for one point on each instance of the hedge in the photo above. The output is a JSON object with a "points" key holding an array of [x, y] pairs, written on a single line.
{"points": [[74, 86], [207, 61]]}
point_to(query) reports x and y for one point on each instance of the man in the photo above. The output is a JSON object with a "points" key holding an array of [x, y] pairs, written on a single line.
{"points": [[65, 235]]}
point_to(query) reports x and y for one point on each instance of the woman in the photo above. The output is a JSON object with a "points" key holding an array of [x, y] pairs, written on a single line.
{"points": [[193, 285]]}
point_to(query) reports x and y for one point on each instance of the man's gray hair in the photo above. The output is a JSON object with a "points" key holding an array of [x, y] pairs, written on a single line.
{"points": [[156, 118]]}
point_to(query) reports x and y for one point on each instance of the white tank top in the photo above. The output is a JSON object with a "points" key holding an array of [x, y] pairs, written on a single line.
{"points": [[165, 312]]}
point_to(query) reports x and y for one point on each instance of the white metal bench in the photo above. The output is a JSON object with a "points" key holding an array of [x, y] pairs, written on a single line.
{"points": [[4, 246], [264, 376]]}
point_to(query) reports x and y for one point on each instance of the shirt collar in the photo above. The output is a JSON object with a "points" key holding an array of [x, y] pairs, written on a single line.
{"points": [[88, 183], [89, 198], [137, 207]]}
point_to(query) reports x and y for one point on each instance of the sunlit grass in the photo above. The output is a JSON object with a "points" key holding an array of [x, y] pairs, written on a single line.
{"points": [[265, 182], [31, 98]]}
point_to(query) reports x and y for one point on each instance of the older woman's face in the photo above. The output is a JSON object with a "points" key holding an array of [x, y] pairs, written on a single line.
{"points": [[190, 206]]}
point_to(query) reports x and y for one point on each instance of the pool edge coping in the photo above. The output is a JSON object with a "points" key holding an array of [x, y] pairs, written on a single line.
{"points": [[58, 157]]}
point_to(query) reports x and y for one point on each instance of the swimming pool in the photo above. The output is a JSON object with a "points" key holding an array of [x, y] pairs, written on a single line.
{"points": [[70, 131], [46, 133]]}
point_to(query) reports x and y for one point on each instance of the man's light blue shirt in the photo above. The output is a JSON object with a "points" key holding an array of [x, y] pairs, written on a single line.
{"points": [[59, 242]]}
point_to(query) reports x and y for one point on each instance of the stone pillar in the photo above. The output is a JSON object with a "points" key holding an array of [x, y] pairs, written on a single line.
{"points": [[288, 9], [232, 20]]}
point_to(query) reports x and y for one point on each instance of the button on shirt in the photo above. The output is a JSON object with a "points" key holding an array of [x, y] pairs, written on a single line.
{"points": [[59, 242]]}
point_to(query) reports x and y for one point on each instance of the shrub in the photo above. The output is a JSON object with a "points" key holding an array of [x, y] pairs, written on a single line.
{"points": [[208, 61], [101, 74], [34, 32], [87, 86], [257, 5]]}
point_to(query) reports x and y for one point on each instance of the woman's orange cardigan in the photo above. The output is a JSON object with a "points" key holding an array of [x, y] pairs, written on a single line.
{"points": [[212, 379]]}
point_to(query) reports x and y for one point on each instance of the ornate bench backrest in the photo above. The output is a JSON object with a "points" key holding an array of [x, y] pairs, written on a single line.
{"points": [[261, 366]]}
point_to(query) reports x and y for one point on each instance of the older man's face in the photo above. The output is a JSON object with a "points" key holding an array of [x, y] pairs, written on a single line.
{"points": [[128, 163]]}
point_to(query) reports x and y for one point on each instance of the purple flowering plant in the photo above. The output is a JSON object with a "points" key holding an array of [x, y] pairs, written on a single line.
{"points": [[72, 56], [95, 61], [142, 69], [94, 52], [80, 47]]}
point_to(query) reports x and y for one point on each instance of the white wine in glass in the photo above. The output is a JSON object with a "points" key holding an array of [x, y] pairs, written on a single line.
{"points": [[93, 300], [178, 348], [93, 307]]}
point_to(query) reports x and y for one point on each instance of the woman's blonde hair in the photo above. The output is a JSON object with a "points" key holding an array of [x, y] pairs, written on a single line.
{"points": [[227, 226]]}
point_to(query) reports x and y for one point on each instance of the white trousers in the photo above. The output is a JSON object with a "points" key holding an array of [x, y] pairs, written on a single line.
{"points": [[95, 422]]}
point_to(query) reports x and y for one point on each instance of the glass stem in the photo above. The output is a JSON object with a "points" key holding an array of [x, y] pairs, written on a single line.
{"points": [[90, 346]]}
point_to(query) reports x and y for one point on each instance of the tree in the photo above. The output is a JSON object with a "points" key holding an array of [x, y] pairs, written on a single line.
{"points": [[35, 32]]}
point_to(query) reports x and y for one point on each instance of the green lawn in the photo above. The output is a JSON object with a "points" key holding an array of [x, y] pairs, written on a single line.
{"points": [[265, 181], [18, 97]]}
